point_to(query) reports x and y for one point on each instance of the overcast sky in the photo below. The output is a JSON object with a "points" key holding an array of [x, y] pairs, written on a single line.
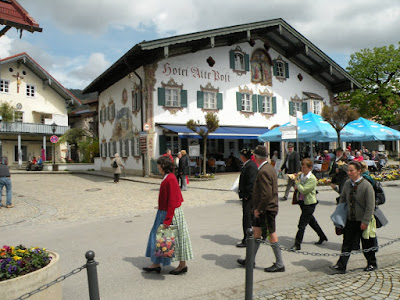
{"points": [[81, 39]]}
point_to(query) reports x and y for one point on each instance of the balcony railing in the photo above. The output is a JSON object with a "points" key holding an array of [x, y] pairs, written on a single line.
{"points": [[31, 128]]}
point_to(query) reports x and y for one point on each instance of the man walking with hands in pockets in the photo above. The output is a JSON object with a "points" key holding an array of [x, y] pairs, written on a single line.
{"points": [[265, 206]]}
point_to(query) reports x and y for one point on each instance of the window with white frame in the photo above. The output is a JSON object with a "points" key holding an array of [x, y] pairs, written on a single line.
{"points": [[317, 107], [267, 104], [18, 116], [172, 142], [30, 90], [297, 106], [246, 102], [239, 61], [210, 100], [172, 97], [280, 69], [4, 86]]}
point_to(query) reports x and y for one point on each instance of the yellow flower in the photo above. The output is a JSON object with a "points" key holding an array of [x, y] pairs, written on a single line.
{"points": [[164, 249], [21, 251], [158, 245], [16, 258]]}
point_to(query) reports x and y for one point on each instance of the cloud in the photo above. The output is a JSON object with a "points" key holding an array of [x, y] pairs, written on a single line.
{"points": [[339, 25], [71, 72]]}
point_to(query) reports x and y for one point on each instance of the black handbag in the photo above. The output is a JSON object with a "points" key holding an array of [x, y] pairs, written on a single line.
{"points": [[379, 194], [380, 218]]}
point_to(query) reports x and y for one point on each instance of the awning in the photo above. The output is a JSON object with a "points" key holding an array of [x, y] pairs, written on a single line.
{"points": [[223, 132]]}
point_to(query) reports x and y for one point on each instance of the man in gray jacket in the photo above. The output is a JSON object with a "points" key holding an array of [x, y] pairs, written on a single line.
{"points": [[5, 181]]}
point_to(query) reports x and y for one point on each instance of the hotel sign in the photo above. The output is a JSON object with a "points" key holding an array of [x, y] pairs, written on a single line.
{"points": [[195, 72]]}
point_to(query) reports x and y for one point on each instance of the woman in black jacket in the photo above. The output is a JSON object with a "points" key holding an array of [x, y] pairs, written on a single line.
{"points": [[183, 169]]}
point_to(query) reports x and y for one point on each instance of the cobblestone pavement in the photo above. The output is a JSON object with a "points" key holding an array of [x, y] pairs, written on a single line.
{"points": [[40, 198]]}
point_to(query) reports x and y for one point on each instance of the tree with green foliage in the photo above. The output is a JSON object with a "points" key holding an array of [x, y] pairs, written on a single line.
{"points": [[89, 148], [212, 124], [339, 116], [378, 70], [73, 136], [7, 111]]}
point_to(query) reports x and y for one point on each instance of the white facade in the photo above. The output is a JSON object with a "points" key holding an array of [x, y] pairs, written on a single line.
{"points": [[191, 72], [38, 102]]}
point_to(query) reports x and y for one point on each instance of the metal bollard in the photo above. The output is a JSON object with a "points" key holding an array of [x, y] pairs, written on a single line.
{"points": [[91, 267], [249, 264]]}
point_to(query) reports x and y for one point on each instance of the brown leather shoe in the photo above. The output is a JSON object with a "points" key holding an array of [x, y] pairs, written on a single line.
{"points": [[10, 206]]}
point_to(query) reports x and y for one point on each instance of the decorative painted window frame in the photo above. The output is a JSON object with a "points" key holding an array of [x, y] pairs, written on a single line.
{"points": [[270, 94], [171, 84], [246, 90], [209, 88], [285, 69], [4, 86], [111, 110], [296, 99], [232, 60], [136, 99]]}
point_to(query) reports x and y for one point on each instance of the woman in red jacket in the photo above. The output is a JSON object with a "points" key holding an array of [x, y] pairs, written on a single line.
{"points": [[169, 212]]}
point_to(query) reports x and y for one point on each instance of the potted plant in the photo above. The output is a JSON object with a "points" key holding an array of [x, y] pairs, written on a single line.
{"points": [[23, 270]]}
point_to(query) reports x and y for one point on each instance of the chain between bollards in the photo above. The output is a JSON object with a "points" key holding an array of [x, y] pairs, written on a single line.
{"points": [[91, 267], [249, 264]]}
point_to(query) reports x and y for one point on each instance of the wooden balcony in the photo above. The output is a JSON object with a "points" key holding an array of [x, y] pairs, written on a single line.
{"points": [[30, 128]]}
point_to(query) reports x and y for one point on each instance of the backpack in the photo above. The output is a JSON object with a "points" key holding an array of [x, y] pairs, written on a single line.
{"points": [[379, 194], [115, 164]]}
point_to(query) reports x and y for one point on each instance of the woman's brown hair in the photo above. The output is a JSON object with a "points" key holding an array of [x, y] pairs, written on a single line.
{"points": [[166, 164], [307, 162]]}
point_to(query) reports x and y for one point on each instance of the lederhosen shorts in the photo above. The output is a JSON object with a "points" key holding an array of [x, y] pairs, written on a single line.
{"points": [[266, 219]]}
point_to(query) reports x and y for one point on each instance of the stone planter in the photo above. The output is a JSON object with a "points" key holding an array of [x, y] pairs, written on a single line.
{"points": [[16, 287]]}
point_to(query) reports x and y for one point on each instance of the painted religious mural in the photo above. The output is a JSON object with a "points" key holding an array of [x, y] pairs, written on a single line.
{"points": [[123, 126], [261, 67]]}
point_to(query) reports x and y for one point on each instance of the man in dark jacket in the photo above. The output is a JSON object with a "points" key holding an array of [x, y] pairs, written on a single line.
{"points": [[183, 169], [5, 181], [246, 182], [291, 165], [338, 172]]}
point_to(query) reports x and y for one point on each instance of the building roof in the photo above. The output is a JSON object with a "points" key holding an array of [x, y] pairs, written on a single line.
{"points": [[274, 33], [12, 14], [47, 79]]}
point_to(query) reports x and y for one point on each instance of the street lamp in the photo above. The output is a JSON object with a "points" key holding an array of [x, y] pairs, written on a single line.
{"points": [[54, 128]]}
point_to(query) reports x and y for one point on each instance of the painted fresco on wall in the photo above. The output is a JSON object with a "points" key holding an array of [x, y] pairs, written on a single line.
{"points": [[123, 126], [261, 67]]}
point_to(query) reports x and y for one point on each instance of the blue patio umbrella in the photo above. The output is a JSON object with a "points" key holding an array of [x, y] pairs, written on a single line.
{"points": [[311, 129], [371, 131]]}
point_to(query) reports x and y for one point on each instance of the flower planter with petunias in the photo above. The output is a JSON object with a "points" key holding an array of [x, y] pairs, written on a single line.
{"points": [[23, 270]]}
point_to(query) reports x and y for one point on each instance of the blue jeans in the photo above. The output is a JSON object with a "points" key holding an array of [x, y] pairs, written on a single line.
{"points": [[6, 181]]}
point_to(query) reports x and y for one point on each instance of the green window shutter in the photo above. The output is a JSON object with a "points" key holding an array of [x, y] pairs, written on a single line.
{"points": [[260, 103], [232, 59], [291, 108], [274, 67], [200, 99], [219, 101], [161, 96], [304, 108], [254, 98], [274, 105], [286, 70], [183, 98], [239, 101], [247, 62], [163, 144]]}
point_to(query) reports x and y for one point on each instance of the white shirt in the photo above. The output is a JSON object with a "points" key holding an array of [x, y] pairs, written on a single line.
{"points": [[260, 166]]}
